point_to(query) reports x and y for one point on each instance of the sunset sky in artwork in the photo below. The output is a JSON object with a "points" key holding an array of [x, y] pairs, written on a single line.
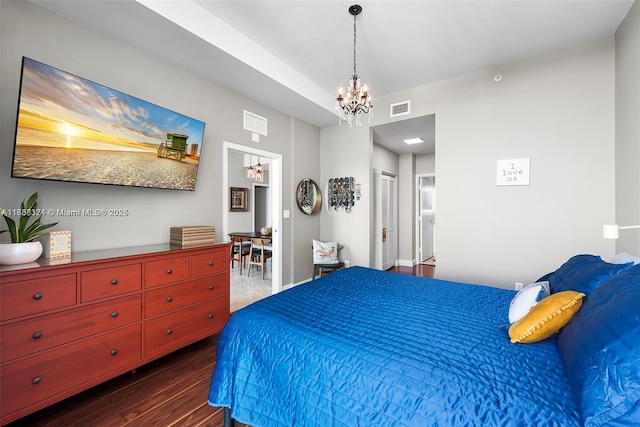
{"points": [[56, 101]]}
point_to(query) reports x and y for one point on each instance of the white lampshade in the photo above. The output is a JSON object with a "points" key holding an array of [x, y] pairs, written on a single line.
{"points": [[610, 231]]}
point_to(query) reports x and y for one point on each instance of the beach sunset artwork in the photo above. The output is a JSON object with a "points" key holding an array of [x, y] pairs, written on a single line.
{"points": [[72, 129]]}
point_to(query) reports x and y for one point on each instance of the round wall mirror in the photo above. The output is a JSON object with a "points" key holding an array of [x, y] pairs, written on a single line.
{"points": [[308, 196]]}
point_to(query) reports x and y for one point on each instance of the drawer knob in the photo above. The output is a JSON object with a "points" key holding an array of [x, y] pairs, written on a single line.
{"points": [[169, 331], [169, 299], [210, 263], [114, 352], [36, 380], [37, 296], [114, 314], [169, 271], [114, 282], [210, 287], [37, 336], [210, 316]]}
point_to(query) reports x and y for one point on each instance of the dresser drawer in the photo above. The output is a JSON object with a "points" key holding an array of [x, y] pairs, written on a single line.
{"points": [[36, 295], [165, 271], [108, 282], [209, 263], [30, 336], [30, 380], [181, 295], [185, 325]]}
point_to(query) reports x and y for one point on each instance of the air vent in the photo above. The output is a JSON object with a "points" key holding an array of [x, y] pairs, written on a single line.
{"points": [[400, 109], [254, 123]]}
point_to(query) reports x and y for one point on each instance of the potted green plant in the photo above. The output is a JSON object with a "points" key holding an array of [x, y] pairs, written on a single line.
{"points": [[25, 232]]}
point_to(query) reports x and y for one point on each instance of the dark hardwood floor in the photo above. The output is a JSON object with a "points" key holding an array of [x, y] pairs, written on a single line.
{"points": [[422, 270], [171, 391]]}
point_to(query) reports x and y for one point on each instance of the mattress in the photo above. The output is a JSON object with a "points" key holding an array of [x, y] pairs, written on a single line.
{"points": [[362, 347]]}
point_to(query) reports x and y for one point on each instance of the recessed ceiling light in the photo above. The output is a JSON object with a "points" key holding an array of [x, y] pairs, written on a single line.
{"points": [[413, 141]]}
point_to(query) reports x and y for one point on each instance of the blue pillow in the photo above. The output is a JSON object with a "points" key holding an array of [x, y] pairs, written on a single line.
{"points": [[600, 348], [582, 273]]}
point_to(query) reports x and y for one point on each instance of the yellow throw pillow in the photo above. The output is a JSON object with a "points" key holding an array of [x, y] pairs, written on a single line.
{"points": [[547, 317]]}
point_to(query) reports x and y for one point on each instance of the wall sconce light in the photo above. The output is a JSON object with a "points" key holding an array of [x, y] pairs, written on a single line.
{"points": [[612, 231]]}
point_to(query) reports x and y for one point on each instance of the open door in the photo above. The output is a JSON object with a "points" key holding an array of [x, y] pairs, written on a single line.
{"points": [[389, 235], [426, 217]]}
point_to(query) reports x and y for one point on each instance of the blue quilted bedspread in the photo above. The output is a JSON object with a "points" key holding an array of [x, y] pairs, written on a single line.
{"points": [[362, 347]]}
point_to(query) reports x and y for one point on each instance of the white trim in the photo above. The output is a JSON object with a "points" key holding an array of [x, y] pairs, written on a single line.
{"points": [[406, 262], [275, 182]]}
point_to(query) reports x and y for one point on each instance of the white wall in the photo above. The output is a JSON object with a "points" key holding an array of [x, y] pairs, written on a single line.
{"points": [[425, 163], [385, 160], [407, 210], [557, 110], [628, 130]]}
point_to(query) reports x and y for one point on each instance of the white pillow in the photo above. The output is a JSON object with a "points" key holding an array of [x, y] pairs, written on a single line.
{"points": [[527, 298], [623, 258], [325, 252]]}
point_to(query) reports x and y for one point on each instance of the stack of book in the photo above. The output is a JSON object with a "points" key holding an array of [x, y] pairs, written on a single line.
{"points": [[191, 236]]}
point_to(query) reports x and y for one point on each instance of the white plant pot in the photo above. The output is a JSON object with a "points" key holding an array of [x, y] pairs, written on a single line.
{"points": [[19, 253]]}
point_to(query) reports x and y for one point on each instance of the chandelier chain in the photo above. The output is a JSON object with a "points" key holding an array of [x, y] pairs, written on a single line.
{"points": [[354, 44]]}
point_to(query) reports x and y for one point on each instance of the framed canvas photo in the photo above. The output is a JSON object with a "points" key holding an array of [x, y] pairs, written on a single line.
{"points": [[238, 201]]}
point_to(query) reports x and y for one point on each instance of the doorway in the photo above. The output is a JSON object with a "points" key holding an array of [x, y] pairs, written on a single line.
{"points": [[425, 218], [273, 205], [261, 205]]}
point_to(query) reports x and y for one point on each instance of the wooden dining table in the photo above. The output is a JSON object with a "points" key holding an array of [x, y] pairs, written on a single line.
{"points": [[249, 234]]}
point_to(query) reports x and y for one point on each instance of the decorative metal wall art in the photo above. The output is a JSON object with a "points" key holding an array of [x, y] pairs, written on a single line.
{"points": [[342, 193]]}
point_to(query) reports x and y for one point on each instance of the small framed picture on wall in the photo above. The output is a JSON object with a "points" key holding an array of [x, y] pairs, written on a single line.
{"points": [[238, 199]]}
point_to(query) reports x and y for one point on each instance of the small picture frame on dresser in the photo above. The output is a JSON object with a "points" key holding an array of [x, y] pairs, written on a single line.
{"points": [[58, 245]]}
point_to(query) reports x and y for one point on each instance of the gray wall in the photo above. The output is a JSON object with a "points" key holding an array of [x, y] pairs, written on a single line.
{"points": [[345, 152], [34, 32], [557, 110], [306, 150], [237, 177], [628, 130]]}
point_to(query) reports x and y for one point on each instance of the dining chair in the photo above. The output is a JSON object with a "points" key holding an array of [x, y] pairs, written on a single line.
{"points": [[259, 253], [240, 249]]}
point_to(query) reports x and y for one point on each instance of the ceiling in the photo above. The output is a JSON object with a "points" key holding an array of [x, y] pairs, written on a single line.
{"points": [[293, 55]]}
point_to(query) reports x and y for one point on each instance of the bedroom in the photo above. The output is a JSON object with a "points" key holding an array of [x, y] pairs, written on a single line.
{"points": [[487, 242]]}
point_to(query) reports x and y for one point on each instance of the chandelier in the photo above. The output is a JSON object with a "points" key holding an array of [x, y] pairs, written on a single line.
{"points": [[256, 172], [357, 100]]}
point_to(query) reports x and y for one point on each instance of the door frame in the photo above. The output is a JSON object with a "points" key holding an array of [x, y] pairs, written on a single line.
{"points": [[418, 214], [275, 182]]}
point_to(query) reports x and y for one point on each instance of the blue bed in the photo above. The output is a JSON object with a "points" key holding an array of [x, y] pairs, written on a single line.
{"points": [[362, 347]]}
